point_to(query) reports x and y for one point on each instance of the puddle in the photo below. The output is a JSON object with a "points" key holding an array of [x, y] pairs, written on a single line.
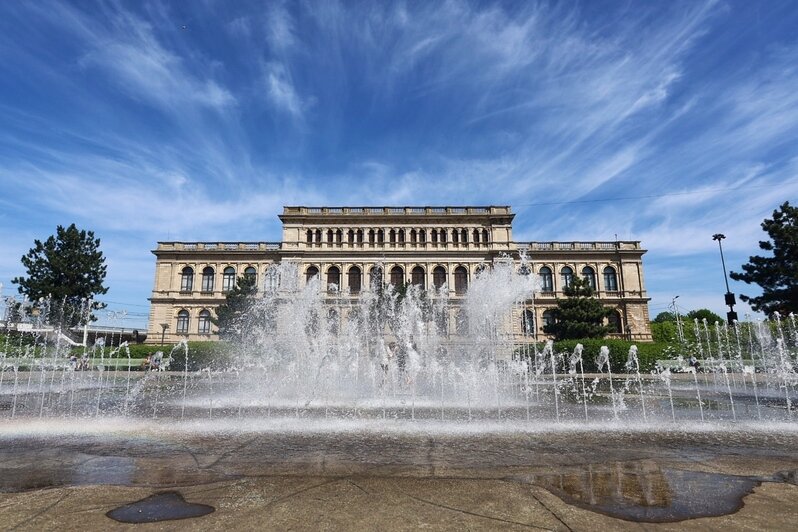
{"points": [[159, 507], [644, 492]]}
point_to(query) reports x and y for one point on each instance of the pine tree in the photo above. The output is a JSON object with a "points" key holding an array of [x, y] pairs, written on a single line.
{"points": [[580, 315], [233, 317], [68, 269], [777, 275]]}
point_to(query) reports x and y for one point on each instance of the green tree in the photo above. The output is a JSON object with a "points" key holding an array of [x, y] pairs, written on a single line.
{"points": [[703, 313], [580, 315], [777, 275], [68, 269], [664, 317], [234, 316]]}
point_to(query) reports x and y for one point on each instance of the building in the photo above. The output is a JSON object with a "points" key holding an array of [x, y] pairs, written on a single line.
{"points": [[429, 246]]}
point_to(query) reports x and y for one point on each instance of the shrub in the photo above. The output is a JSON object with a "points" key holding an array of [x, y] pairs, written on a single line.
{"points": [[647, 353]]}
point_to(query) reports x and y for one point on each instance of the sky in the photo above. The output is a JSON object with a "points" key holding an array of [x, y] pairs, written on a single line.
{"points": [[664, 122]]}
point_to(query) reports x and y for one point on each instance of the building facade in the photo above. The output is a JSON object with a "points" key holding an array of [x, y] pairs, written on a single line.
{"points": [[426, 246]]}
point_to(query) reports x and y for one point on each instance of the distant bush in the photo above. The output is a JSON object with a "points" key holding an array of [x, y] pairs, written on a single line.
{"points": [[647, 353], [214, 355]]}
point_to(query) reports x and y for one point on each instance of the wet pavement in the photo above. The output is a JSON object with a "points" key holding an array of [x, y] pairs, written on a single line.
{"points": [[578, 480]]}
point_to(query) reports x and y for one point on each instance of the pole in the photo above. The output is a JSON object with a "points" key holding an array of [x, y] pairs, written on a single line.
{"points": [[731, 316]]}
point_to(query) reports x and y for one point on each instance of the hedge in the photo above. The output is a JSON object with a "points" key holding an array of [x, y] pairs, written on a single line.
{"points": [[214, 355], [647, 352]]}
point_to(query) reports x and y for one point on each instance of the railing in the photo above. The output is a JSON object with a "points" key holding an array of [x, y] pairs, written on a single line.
{"points": [[219, 246], [397, 210], [579, 246]]}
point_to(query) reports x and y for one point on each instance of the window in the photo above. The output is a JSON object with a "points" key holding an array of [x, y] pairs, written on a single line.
{"points": [[228, 279], [339, 235], [413, 236], [380, 236], [273, 279], [528, 322], [614, 322], [376, 277], [333, 279], [546, 280], [252, 275], [567, 275], [204, 322], [422, 236], [460, 280], [359, 235], [548, 318], [310, 273], [318, 237], [401, 236], [476, 236], [484, 236], [464, 236], [187, 279], [329, 236], [397, 276], [310, 237], [589, 275], [417, 277], [371, 236], [443, 236], [438, 276], [434, 235], [351, 236], [207, 279], [610, 279], [392, 236], [455, 236], [182, 321], [354, 278]]}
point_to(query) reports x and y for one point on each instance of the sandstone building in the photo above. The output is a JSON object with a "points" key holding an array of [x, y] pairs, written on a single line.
{"points": [[428, 246]]}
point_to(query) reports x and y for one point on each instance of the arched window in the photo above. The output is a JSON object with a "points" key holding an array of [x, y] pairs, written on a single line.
{"points": [[183, 320], [207, 279], [392, 236], [614, 322], [464, 236], [589, 275], [351, 236], [455, 236], [329, 236], [484, 236], [371, 236], [546, 280], [376, 277], [443, 236], [422, 236], [252, 275], [567, 275], [339, 235], [460, 280], [438, 276], [610, 279], [354, 278], [333, 279], [401, 236], [397, 276], [434, 236], [228, 279], [204, 322], [187, 279], [476, 236], [359, 235], [548, 318], [310, 273], [417, 277], [413, 236], [318, 237], [528, 322], [380, 236], [309, 236]]}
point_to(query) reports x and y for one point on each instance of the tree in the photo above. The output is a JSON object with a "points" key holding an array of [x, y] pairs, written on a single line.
{"points": [[233, 317], [64, 272], [664, 317], [777, 275], [580, 315], [702, 314]]}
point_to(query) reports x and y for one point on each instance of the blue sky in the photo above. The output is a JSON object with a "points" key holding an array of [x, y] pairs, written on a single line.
{"points": [[149, 121]]}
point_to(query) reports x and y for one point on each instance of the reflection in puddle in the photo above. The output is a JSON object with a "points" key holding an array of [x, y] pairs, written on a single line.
{"points": [[642, 491], [159, 507]]}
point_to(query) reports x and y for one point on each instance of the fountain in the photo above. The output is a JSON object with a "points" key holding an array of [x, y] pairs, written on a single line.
{"points": [[324, 384]]}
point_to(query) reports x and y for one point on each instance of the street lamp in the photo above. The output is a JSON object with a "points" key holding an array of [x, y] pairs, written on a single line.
{"points": [[164, 326], [731, 316], [678, 319]]}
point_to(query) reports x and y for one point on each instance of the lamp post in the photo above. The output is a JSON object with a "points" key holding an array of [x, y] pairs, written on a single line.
{"points": [[678, 319], [164, 326], [731, 316]]}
